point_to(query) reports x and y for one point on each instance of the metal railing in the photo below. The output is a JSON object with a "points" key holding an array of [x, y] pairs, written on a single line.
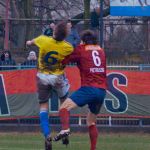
{"points": [[139, 67], [80, 120]]}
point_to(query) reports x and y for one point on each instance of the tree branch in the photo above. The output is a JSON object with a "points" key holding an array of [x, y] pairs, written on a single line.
{"points": [[3, 4]]}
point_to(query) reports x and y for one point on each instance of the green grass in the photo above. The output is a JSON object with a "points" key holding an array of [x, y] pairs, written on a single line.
{"points": [[27, 141]]}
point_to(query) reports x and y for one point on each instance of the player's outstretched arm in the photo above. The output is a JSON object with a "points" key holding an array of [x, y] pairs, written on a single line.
{"points": [[30, 42]]}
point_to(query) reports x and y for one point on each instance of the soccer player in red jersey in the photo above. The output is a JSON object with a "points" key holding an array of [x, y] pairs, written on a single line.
{"points": [[91, 61]]}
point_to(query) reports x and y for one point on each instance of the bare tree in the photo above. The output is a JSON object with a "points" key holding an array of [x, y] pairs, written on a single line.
{"points": [[86, 12], [41, 9], [21, 9]]}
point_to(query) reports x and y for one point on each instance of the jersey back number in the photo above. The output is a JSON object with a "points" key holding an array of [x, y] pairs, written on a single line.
{"points": [[96, 58]]}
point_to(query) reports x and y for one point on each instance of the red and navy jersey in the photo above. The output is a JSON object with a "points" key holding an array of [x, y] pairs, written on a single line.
{"points": [[91, 62]]}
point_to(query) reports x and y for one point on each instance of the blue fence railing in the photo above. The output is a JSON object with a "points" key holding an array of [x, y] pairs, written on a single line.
{"points": [[139, 67]]}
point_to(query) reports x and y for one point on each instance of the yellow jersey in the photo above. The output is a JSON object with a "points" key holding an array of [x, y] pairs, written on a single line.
{"points": [[51, 54]]}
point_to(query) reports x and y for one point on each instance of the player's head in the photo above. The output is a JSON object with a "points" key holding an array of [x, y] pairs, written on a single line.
{"points": [[88, 37], [60, 31]]}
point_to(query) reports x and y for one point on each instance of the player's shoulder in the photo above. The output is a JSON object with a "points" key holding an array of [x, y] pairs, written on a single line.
{"points": [[67, 46], [50, 38], [65, 43], [80, 46], [93, 47], [44, 37]]}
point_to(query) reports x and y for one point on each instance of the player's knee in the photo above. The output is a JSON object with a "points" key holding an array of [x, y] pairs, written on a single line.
{"points": [[44, 106], [90, 122], [62, 107], [62, 101], [91, 119], [68, 104]]}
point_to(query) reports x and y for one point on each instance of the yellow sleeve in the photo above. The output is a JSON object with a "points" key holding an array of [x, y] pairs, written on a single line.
{"points": [[68, 49], [39, 41]]}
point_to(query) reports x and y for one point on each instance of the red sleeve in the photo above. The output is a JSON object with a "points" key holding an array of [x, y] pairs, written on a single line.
{"points": [[74, 57]]}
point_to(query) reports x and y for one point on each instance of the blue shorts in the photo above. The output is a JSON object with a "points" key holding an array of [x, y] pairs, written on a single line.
{"points": [[93, 97]]}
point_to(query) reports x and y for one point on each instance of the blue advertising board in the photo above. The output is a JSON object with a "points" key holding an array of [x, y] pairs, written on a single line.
{"points": [[130, 7]]}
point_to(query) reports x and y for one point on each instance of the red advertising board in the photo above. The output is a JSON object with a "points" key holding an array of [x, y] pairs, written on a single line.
{"points": [[24, 81]]}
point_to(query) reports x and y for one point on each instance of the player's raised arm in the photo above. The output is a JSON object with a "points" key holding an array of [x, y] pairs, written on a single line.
{"points": [[39, 41], [30, 42]]}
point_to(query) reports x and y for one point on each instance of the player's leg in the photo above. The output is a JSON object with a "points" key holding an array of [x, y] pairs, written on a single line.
{"points": [[93, 132], [64, 112], [44, 124], [78, 98], [94, 108], [43, 96], [64, 115], [63, 91], [62, 88], [44, 119], [65, 140], [65, 118]]}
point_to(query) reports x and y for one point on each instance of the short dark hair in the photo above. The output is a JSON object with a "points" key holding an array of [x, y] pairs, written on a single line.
{"points": [[60, 31], [88, 37]]}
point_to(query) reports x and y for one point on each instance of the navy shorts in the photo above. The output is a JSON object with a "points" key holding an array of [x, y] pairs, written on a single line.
{"points": [[93, 97]]}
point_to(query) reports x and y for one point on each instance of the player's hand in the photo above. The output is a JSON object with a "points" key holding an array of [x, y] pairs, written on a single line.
{"points": [[28, 43]]}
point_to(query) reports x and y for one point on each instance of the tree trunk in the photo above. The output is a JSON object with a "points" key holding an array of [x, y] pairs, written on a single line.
{"points": [[21, 30], [86, 13]]}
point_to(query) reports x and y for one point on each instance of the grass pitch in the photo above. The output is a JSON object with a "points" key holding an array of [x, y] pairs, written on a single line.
{"points": [[32, 141]]}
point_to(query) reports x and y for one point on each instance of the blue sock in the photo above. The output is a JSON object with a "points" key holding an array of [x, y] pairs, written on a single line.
{"points": [[44, 123]]}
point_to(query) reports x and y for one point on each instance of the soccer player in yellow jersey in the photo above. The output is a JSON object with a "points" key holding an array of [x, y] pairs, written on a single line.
{"points": [[52, 50]]}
